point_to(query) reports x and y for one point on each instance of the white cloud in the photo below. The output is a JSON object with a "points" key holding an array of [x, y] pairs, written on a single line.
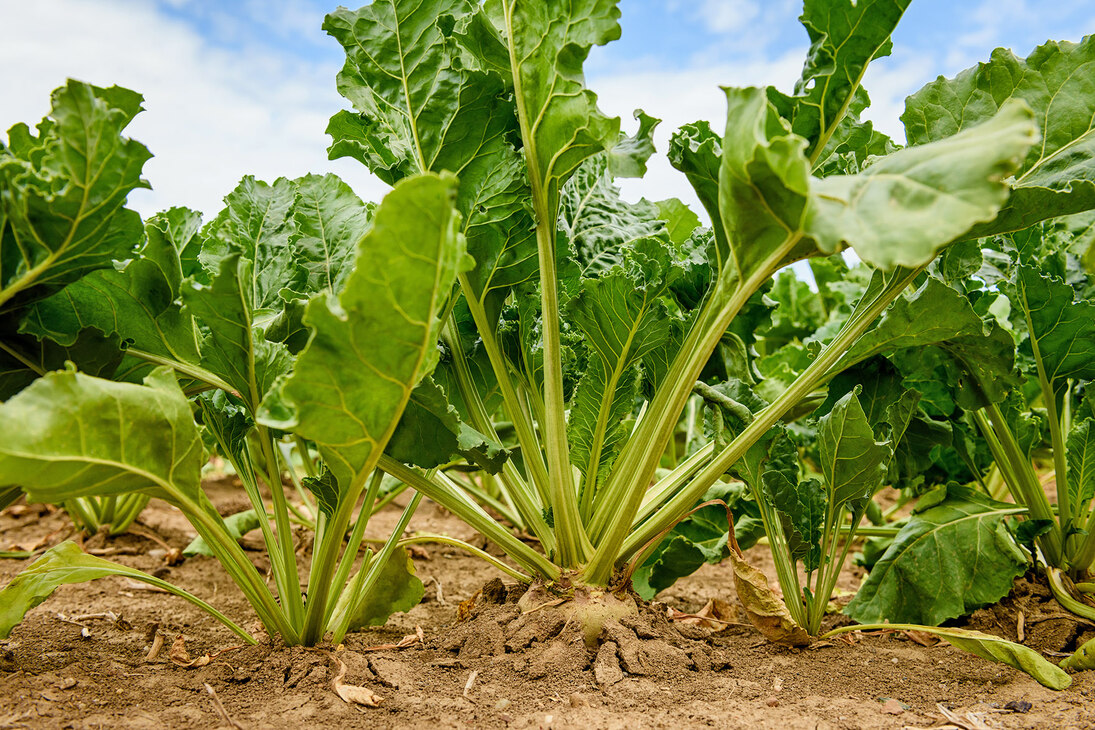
{"points": [[212, 115], [724, 16]]}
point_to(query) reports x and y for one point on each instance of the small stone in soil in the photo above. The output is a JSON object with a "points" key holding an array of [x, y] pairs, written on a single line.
{"points": [[892, 707], [772, 702], [1018, 706]]}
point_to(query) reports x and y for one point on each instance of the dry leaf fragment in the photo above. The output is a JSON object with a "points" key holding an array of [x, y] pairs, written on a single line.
{"points": [[351, 693], [716, 614], [418, 637], [921, 637], [763, 609], [179, 656]]}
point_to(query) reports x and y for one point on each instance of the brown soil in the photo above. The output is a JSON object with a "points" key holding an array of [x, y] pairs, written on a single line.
{"points": [[494, 669]]}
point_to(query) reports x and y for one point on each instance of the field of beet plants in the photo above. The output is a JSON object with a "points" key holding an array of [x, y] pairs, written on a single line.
{"points": [[505, 450]]}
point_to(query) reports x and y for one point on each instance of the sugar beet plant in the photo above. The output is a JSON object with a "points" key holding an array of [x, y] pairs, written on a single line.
{"points": [[211, 319], [586, 322]]}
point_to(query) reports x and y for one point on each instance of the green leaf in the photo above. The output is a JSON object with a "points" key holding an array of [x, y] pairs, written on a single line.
{"points": [[628, 157], [599, 224], [1062, 330], [425, 105], [945, 562], [679, 219], [24, 358], [1080, 453], [236, 526], [1057, 177], [1014, 655], [623, 321], [137, 301], [397, 589], [844, 38], [257, 222], [561, 124], [72, 435], [801, 508], [902, 209], [852, 462], [374, 342], [431, 434], [325, 489], [233, 348], [67, 563], [62, 193], [329, 220]]}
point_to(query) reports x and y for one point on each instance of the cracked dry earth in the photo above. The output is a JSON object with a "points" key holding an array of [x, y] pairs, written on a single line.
{"points": [[80, 659]]}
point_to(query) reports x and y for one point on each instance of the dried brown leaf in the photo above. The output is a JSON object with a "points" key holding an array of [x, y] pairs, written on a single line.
{"points": [[351, 693], [763, 609]]}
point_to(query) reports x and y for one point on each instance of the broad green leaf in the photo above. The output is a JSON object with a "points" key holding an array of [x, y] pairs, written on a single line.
{"points": [[1000, 650], [431, 434], [844, 37], [67, 563], [236, 526], [1056, 177], [374, 342], [397, 589], [561, 124], [325, 489], [945, 562], [902, 209], [426, 105], [932, 314], [679, 219], [62, 193], [257, 222], [1080, 450], [763, 186], [179, 227], [329, 220], [700, 538], [72, 435], [852, 462], [1061, 331], [801, 508], [623, 321], [25, 358], [232, 347]]}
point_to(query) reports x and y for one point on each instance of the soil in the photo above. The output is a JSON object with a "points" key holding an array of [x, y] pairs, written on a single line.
{"points": [[79, 659]]}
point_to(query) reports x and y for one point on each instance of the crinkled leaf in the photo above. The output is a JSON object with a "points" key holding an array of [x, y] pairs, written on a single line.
{"points": [[1061, 330], [72, 435], [426, 105], [844, 37], [1057, 177], [628, 157], [233, 348], [257, 222], [945, 562], [325, 489], [623, 321], [374, 342], [62, 193], [599, 224], [679, 219]]}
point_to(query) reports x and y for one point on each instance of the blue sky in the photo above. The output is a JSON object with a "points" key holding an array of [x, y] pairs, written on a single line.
{"points": [[238, 87]]}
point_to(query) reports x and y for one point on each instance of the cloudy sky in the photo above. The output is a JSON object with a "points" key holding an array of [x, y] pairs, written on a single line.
{"points": [[235, 87]]}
